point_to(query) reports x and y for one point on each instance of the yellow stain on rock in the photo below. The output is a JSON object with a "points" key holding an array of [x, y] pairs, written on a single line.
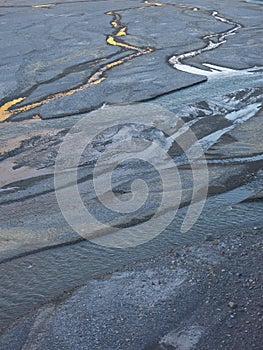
{"points": [[4, 113]]}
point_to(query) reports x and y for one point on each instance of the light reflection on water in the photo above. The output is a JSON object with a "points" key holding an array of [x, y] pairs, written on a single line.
{"points": [[259, 2], [34, 279], [218, 86], [29, 281]]}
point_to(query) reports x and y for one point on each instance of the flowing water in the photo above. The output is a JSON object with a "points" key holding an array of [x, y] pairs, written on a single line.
{"points": [[225, 113], [33, 279]]}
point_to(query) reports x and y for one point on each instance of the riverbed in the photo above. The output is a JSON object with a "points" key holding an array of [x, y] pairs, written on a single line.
{"points": [[197, 66]]}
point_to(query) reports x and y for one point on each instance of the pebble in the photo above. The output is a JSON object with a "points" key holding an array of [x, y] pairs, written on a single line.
{"points": [[232, 305]]}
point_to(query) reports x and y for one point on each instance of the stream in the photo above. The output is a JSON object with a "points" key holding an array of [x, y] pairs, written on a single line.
{"points": [[224, 112]]}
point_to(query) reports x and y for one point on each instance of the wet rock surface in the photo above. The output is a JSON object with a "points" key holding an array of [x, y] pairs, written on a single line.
{"points": [[65, 61]]}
